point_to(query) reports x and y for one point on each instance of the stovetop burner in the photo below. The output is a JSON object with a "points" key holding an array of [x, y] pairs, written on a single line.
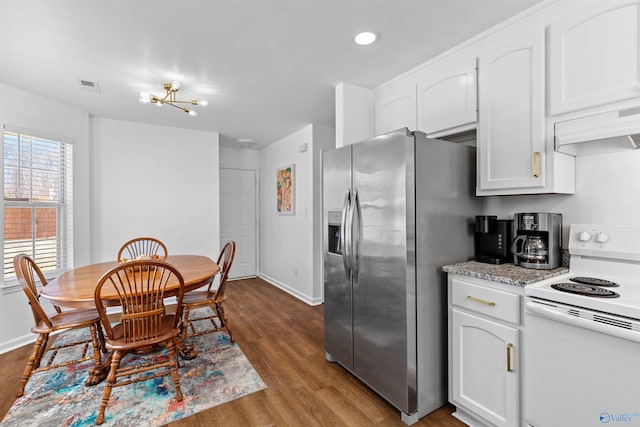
{"points": [[594, 281], [587, 290]]}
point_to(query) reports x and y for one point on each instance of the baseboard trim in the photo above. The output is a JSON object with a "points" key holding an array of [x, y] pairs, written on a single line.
{"points": [[291, 291], [18, 342]]}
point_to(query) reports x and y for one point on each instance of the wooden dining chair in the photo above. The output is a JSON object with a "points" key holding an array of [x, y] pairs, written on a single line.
{"points": [[29, 275], [149, 246], [213, 297], [143, 325]]}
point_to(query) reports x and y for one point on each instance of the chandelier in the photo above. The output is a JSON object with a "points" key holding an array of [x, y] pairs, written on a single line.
{"points": [[170, 99]]}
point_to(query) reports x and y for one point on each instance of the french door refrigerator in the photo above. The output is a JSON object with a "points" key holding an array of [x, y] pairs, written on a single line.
{"points": [[395, 209]]}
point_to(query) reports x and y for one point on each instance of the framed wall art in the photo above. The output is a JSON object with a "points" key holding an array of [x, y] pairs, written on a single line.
{"points": [[285, 190]]}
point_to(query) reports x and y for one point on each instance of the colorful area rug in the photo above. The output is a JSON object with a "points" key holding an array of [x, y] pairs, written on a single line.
{"points": [[58, 397]]}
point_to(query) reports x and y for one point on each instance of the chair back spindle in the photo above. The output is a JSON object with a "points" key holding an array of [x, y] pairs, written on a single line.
{"points": [[140, 286], [29, 274], [142, 246], [225, 260]]}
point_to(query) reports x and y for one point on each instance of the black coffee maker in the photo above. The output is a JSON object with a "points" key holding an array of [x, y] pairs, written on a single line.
{"points": [[492, 239]]}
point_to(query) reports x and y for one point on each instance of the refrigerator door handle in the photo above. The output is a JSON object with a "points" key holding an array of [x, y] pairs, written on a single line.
{"points": [[356, 216], [345, 235]]}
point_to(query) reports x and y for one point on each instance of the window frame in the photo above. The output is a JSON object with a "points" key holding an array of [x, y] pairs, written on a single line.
{"points": [[64, 207]]}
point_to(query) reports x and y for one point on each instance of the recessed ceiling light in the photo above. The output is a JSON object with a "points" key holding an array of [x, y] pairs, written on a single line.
{"points": [[365, 38]]}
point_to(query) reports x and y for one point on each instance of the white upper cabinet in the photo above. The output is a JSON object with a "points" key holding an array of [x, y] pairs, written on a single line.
{"points": [[447, 102], [511, 129], [395, 108], [594, 56]]}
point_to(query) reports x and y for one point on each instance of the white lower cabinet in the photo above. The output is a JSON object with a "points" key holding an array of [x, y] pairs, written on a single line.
{"points": [[484, 352]]}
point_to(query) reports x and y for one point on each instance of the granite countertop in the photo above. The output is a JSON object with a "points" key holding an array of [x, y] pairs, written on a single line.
{"points": [[510, 274]]}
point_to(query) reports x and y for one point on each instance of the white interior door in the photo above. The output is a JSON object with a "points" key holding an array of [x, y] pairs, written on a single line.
{"points": [[238, 218]]}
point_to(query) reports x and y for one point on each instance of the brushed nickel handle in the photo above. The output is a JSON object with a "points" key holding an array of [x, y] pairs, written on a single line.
{"points": [[345, 235], [536, 164], [509, 347], [481, 301]]}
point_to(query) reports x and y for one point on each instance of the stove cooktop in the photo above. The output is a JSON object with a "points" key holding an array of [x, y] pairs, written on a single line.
{"points": [[622, 300], [593, 281], [604, 271], [586, 290]]}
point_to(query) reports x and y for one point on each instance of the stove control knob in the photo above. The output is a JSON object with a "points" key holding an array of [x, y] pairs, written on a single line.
{"points": [[602, 237], [584, 236]]}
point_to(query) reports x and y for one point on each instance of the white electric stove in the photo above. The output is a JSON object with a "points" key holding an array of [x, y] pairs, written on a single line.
{"points": [[604, 271], [582, 333]]}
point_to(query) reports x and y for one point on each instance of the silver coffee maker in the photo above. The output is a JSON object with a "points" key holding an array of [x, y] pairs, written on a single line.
{"points": [[538, 241]]}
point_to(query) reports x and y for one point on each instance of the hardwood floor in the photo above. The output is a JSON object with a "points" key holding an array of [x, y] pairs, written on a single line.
{"points": [[283, 339]]}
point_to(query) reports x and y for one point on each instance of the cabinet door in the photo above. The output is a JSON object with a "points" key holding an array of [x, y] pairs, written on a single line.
{"points": [[395, 109], [511, 131], [448, 100], [486, 368], [594, 56]]}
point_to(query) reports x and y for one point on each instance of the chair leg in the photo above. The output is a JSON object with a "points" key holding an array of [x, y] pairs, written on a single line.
{"points": [[224, 322], [103, 348], [173, 366], [41, 351], [33, 363], [96, 345], [111, 380], [185, 323]]}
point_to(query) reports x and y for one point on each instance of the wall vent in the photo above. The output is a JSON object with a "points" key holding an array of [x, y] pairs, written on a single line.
{"points": [[89, 86]]}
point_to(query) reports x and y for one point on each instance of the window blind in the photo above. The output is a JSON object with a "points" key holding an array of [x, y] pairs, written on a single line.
{"points": [[38, 203]]}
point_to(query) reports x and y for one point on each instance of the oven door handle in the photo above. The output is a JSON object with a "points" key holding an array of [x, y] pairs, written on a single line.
{"points": [[544, 310]]}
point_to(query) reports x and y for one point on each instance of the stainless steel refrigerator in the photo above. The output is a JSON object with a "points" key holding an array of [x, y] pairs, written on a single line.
{"points": [[395, 209]]}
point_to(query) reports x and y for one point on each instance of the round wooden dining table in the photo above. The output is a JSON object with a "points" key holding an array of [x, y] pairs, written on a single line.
{"points": [[75, 288]]}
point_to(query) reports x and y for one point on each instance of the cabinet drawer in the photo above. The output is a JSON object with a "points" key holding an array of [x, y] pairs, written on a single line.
{"points": [[492, 302]]}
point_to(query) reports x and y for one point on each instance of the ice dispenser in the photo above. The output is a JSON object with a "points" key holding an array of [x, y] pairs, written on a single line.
{"points": [[334, 223]]}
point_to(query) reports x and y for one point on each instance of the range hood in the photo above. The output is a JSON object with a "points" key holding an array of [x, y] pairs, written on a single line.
{"points": [[599, 133]]}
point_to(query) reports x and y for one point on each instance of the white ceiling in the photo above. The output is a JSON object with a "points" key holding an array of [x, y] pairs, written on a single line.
{"points": [[267, 67]]}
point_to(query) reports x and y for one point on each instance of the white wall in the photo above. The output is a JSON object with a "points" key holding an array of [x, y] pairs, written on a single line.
{"points": [[287, 242], [324, 138], [28, 111], [239, 158], [158, 181]]}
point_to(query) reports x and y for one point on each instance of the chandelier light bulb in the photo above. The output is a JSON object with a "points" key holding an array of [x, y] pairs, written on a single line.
{"points": [[145, 98], [203, 102], [175, 85], [193, 113]]}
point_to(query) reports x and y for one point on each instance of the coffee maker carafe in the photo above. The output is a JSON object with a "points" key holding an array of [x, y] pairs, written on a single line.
{"points": [[538, 241]]}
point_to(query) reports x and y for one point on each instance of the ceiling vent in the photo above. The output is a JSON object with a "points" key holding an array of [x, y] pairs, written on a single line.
{"points": [[89, 86]]}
